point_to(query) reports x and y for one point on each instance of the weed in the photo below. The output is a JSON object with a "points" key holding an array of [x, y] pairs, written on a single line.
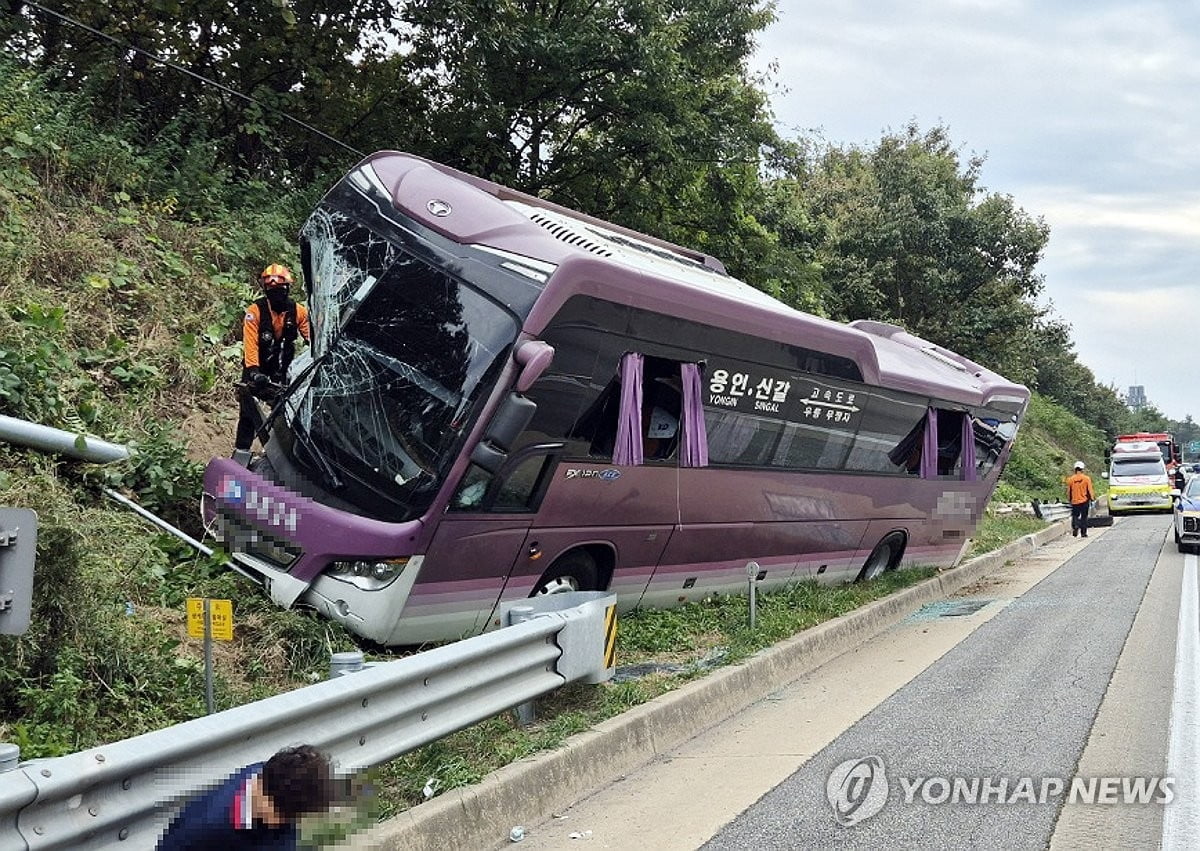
{"points": [[996, 530], [699, 635]]}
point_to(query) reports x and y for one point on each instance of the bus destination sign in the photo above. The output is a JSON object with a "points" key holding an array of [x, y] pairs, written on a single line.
{"points": [[788, 398]]}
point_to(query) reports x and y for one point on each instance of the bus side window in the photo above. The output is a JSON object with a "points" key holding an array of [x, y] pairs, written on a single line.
{"points": [[662, 406], [949, 435], [470, 493], [520, 484], [598, 424], [515, 492]]}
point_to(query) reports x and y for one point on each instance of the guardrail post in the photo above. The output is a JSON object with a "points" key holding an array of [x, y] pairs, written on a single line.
{"points": [[18, 552], [526, 713], [752, 590], [10, 757], [345, 662]]}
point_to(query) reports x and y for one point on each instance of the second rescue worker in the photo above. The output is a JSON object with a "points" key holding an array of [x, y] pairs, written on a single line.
{"points": [[269, 331], [1080, 495]]}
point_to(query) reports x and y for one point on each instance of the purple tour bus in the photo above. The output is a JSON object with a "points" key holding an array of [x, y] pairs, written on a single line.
{"points": [[507, 398]]}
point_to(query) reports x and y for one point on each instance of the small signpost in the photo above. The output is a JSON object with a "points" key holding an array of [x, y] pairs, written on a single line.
{"points": [[209, 619]]}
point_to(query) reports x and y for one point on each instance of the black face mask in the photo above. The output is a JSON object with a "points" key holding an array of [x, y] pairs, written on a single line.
{"points": [[277, 297]]}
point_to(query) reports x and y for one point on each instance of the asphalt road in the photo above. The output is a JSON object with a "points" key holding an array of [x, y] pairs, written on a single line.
{"points": [[1016, 699], [1058, 668]]}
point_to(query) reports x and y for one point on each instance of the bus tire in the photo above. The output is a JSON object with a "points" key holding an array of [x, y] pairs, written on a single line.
{"points": [[885, 556], [574, 571]]}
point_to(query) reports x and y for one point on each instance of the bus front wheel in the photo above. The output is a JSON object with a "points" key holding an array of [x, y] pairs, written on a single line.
{"points": [[575, 571], [885, 556]]}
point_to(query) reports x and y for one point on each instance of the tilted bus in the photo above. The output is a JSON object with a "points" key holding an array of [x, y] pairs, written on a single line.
{"points": [[509, 398]]}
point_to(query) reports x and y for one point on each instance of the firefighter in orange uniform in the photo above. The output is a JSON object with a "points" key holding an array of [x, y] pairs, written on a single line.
{"points": [[269, 331], [1080, 495]]}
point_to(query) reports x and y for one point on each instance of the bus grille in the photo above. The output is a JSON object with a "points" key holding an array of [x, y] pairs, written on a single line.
{"points": [[241, 537]]}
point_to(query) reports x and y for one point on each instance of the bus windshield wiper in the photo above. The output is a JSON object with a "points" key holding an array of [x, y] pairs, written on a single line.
{"points": [[332, 481], [299, 434], [281, 401]]}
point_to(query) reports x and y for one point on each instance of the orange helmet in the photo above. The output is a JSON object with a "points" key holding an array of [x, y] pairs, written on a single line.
{"points": [[275, 275]]}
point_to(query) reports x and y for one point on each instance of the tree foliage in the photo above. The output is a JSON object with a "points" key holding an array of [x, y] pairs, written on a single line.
{"points": [[903, 233], [643, 112]]}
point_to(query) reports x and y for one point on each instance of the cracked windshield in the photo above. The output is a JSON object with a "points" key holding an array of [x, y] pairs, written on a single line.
{"points": [[400, 348]]}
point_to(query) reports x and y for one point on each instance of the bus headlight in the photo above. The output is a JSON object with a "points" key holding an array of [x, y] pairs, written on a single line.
{"points": [[368, 575]]}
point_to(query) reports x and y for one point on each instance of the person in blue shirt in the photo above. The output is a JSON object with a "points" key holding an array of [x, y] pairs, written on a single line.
{"points": [[257, 808]]}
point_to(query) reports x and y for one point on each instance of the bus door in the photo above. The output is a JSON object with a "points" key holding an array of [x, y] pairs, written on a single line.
{"points": [[483, 533]]}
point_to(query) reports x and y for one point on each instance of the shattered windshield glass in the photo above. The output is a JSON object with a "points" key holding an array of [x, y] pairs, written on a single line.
{"points": [[406, 350]]}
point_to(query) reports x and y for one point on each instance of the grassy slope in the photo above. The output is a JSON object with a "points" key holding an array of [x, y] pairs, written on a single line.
{"points": [[122, 275], [1050, 441], [118, 304]]}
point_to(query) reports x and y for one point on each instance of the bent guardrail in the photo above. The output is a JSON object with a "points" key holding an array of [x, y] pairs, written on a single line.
{"points": [[1051, 511], [121, 795]]}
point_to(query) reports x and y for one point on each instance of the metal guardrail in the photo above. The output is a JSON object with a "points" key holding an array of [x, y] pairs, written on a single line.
{"points": [[1052, 511], [122, 795]]}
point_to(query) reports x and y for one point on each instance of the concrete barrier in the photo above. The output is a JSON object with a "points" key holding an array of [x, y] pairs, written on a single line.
{"points": [[529, 791]]}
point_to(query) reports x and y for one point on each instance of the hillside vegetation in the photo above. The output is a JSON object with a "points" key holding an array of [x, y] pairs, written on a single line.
{"points": [[118, 309], [1051, 440], [123, 271]]}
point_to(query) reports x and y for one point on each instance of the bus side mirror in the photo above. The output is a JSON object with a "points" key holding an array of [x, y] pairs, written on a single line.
{"points": [[533, 356], [1104, 475], [509, 421]]}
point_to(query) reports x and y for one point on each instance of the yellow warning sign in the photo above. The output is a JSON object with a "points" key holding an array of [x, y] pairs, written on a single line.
{"points": [[220, 617], [610, 637]]}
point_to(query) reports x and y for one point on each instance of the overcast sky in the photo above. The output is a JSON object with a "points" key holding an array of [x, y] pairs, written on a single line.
{"points": [[1086, 112]]}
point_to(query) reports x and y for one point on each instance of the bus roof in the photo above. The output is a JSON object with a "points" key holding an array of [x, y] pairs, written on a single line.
{"points": [[611, 262]]}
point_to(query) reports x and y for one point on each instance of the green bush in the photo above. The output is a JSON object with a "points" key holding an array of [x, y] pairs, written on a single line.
{"points": [[1050, 440]]}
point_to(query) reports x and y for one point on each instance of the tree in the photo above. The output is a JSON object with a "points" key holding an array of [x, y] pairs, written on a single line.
{"points": [[906, 235], [641, 112], [303, 58]]}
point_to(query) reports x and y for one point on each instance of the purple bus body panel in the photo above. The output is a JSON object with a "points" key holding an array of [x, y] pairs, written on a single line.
{"points": [[324, 533], [633, 512], [470, 559], [397, 170], [476, 217]]}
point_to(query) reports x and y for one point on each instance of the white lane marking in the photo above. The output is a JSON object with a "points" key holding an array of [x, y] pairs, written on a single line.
{"points": [[1181, 821]]}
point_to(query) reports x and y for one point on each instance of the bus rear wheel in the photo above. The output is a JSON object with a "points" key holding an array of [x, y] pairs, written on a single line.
{"points": [[885, 556], [575, 571]]}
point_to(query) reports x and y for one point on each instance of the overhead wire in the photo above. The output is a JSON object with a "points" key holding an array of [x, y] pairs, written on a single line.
{"points": [[189, 72]]}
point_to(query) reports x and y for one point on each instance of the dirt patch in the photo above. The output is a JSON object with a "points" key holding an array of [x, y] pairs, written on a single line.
{"points": [[209, 433], [981, 585]]}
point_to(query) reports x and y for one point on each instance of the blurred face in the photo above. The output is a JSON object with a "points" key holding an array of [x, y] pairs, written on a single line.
{"points": [[264, 807]]}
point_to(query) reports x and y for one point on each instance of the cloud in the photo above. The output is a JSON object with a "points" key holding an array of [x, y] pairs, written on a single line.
{"points": [[1085, 112]]}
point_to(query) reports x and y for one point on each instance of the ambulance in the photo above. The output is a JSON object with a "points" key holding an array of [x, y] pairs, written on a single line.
{"points": [[1137, 478]]}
